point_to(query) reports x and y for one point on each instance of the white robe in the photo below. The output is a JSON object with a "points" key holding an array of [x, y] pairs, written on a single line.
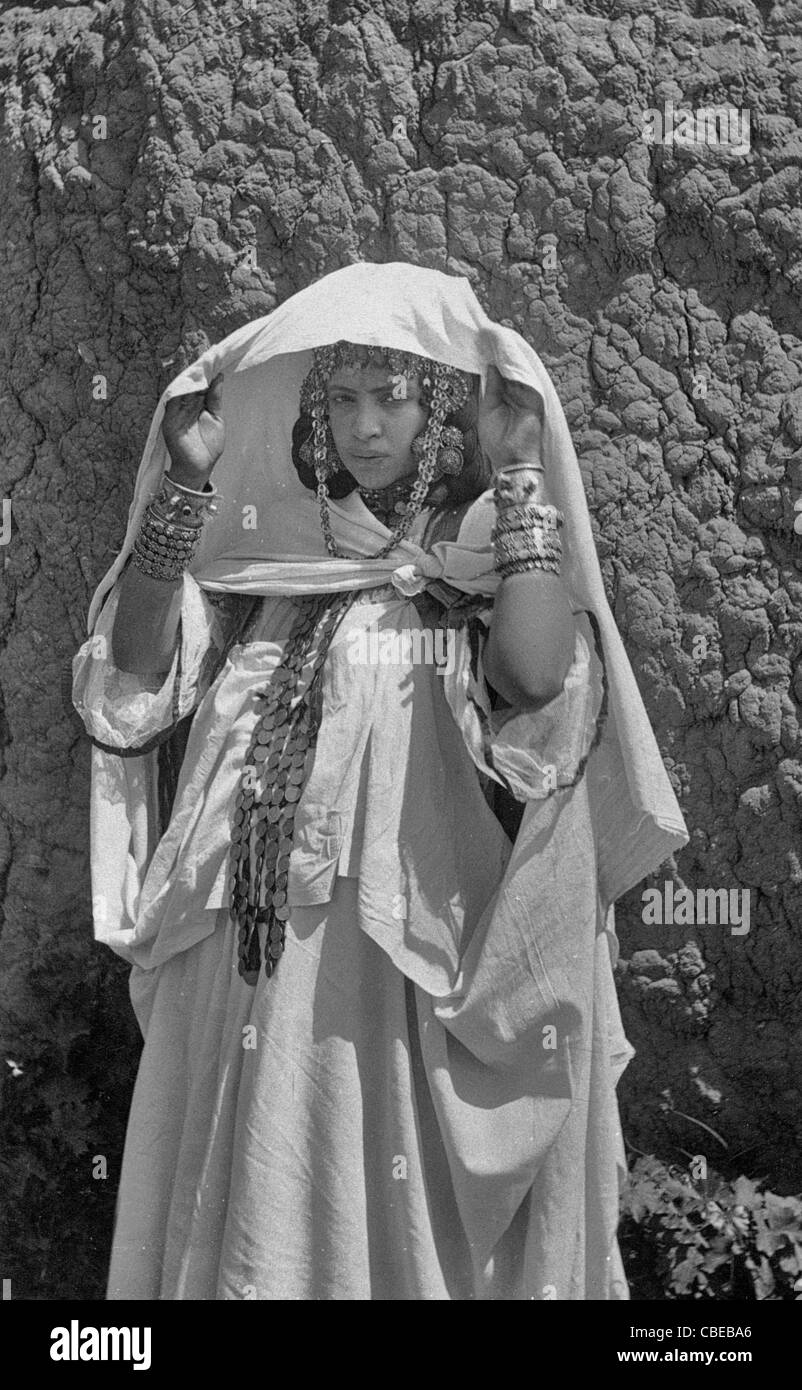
{"points": [[420, 1104]]}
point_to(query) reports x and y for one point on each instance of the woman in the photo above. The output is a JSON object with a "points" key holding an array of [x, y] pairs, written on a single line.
{"points": [[381, 1036]]}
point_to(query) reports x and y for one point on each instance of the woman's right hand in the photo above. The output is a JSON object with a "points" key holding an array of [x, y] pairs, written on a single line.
{"points": [[510, 422], [195, 434]]}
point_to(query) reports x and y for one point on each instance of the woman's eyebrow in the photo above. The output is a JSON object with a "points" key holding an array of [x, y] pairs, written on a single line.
{"points": [[371, 390]]}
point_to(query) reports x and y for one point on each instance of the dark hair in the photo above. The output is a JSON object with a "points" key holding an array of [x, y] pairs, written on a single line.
{"points": [[451, 490]]}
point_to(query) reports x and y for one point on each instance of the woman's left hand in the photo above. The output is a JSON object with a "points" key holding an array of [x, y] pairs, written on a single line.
{"points": [[510, 422]]}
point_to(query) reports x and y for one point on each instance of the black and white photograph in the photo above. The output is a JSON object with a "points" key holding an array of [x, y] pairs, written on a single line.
{"points": [[400, 664]]}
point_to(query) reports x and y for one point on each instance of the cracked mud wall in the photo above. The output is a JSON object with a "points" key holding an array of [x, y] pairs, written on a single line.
{"points": [[250, 147]]}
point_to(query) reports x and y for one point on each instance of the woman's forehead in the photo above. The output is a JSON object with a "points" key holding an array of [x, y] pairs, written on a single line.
{"points": [[366, 378]]}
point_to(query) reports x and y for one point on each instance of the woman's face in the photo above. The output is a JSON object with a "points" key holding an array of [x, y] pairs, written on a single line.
{"points": [[374, 417]]}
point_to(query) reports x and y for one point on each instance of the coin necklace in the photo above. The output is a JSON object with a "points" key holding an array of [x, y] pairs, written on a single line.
{"points": [[271, 784]]}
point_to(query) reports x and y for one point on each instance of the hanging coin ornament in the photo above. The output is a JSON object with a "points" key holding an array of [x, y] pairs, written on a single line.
{"points": [[276, 765]]}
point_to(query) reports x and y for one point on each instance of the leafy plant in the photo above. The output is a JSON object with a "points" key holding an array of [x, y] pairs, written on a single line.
{"points": [[67, 1065], [712, 1239]]}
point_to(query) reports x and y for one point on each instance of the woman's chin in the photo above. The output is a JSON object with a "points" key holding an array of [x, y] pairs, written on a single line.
{"points": [[379, 474]]}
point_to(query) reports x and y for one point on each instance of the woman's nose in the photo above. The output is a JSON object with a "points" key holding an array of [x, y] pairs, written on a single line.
{"points": [[367, 423]]}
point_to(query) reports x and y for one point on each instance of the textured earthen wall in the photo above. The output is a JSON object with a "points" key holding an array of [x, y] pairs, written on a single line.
{"points": [[248, 148]]}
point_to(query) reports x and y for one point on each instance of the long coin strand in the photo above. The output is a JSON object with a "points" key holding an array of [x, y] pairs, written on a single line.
{"points": [[272, 781]]}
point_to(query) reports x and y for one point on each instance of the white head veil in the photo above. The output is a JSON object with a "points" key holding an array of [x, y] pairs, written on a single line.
{"points": [[638, 821]]}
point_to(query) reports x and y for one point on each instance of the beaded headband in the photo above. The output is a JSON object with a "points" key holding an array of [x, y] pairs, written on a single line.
{"points": [[444, 389]]}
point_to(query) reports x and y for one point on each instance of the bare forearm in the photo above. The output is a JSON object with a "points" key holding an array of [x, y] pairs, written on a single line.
{"points": [[145, 628], [530, 646]]}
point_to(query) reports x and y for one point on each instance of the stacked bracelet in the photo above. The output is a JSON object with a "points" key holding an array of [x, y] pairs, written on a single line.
{"points": [[526, 545], [528, 518], [171, 529], [526, 534], [164, 552]]}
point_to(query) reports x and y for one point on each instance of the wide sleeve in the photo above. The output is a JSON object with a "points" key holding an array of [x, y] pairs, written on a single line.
{"points": [[125, 712], [532, 753]]}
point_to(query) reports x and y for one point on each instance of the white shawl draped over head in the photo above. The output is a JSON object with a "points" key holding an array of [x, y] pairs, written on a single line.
{"points": [[638, 823]]}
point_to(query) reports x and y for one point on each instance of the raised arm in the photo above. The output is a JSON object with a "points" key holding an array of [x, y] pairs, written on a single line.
{"points": [[146, 621], [531, 642]]}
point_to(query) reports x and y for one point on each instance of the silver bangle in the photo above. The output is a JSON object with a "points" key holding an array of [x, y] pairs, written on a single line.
{"points": [[528, 517], [525, 566], [185, 505]]}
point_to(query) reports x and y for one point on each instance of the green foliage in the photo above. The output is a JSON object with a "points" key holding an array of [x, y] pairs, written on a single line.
{"points": [[74, 1046], [711, 1239]]}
